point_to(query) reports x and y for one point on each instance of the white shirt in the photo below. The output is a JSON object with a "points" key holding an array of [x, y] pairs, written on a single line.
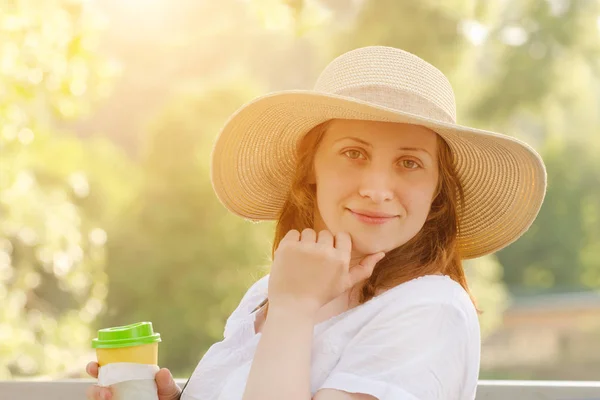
{"points": [[418, 340]]}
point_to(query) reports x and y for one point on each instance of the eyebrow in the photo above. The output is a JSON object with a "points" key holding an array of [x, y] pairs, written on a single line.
{"points": [[370, 145]]}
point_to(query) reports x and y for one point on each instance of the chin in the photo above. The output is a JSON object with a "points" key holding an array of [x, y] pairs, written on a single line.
{"points": [[366, 241], [369, 245]]}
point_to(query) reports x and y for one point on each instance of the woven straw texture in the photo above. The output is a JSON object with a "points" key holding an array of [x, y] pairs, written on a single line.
{"points": [[254, 156]]}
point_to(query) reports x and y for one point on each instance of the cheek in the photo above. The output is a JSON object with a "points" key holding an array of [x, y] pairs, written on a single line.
{"points": [[332, 190], [334, 184], [418, 200]]}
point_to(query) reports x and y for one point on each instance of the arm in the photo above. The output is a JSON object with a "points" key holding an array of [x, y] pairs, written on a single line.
{"points": [[307, 272], [281, 366]]}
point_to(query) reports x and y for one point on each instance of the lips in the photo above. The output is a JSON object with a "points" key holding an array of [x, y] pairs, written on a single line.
{"points": [[372, 214], [372, 217]]}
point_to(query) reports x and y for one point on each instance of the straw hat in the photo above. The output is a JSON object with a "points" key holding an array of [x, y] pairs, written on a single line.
{"points": [[254, 156]]}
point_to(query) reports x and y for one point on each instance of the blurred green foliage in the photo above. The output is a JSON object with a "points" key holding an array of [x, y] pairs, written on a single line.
{"points": [[92, 238], [561, 252], [178, 258], [56, 191]]}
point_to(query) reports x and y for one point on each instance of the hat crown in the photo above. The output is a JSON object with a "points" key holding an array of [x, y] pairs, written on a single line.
{"points": [[392, 78]]}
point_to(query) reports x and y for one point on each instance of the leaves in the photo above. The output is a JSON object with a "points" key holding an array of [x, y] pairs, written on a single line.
{"points": [[53, 282], [178, 258]]}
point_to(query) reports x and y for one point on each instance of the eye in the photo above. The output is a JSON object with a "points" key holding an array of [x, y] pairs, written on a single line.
{"points": [[353, 154], [410, 164]]}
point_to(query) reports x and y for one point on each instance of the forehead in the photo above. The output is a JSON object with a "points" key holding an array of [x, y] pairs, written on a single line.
{"points": [[385, 133]]}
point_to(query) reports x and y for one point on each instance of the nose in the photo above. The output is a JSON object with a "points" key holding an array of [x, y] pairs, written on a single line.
{"points": [[377, 186]]}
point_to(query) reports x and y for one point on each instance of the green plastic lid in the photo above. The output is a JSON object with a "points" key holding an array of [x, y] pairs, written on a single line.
{"points": [[126, 336]]}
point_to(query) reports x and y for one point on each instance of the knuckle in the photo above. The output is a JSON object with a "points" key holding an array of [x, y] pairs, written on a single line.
{"points": [[332, 258], [322, 249], [325, 234], [290, 235], [90, 367], [341, 257], [287, 245], [342, 235], [343, 238], [280, 250], [329, 253], [305, 247]]}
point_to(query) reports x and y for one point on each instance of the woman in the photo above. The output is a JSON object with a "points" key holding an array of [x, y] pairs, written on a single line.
{"points": [[378, 196]]}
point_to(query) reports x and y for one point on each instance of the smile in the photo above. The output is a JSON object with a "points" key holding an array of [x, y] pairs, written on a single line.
{"points": [[373, 218]]}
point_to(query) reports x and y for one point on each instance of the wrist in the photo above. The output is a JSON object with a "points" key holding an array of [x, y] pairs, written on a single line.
{"points": [[289, 319], [298, 307]]}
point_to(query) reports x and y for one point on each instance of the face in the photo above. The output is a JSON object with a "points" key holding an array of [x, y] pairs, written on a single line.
{"points": [[376, 181]]}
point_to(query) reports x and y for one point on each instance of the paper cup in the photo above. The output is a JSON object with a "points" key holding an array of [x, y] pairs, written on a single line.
{"points": [[128, 360]]}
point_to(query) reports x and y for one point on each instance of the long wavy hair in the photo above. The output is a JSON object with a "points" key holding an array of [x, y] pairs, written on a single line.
{"points": [[434, 249]]}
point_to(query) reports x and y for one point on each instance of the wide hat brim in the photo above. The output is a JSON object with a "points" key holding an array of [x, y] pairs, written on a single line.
{"points": [[254, 156]]}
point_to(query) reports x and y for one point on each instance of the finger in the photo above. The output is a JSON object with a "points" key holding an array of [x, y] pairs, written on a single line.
{"points": [[92, 369], [91, 393], [166, 387], [325, 238], [96, 392], [365, 268], [292, 236], [343, 242], [308, 235]]}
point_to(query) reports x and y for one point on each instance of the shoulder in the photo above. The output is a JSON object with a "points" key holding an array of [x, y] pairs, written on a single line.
{"points": [[428, 290], [417, 340], [260, 286], [256, 293], [426, 302], [435, 286]]}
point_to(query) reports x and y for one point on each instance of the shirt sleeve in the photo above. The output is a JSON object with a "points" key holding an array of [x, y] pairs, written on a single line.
{"points": [[253, 296], [414, 353]]}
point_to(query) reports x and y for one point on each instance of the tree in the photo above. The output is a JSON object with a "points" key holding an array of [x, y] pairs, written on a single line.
{"points": [[561, 253], [484, 276], [531, 51], [179, 258], [536, 82], [52, 281]]}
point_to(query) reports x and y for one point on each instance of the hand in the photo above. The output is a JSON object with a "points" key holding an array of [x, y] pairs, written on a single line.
{"points": [[310, 270], [167, 388]]}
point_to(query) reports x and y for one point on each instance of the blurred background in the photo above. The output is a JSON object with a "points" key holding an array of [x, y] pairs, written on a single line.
{"points": [[108, 111]]}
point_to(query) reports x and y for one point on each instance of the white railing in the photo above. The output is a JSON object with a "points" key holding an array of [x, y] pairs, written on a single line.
{"points": [[74, 389]]}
